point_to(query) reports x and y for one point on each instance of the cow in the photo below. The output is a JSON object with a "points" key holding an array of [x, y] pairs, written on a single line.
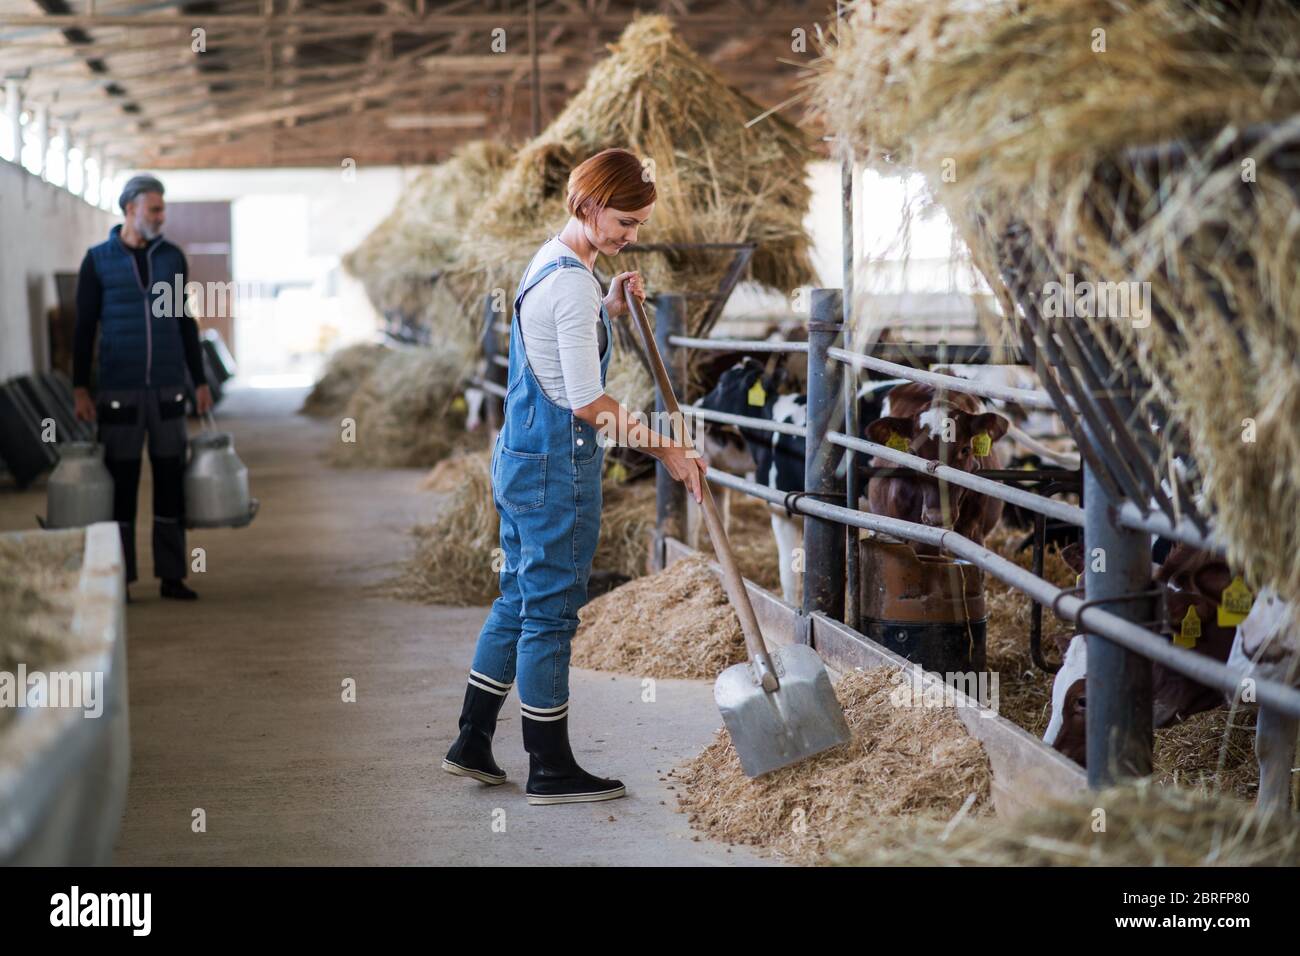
{"points": [[748, 389], [1192, 581], [952, 428], [1266, 645]]}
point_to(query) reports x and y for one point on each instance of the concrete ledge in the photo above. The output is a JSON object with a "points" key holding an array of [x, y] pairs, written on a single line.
{"points": [[1024, 768]]}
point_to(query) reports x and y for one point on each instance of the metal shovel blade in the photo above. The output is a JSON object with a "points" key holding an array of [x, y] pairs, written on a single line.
{"points": [[799, 719]]}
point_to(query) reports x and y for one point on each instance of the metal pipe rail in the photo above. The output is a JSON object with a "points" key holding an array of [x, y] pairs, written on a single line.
{"points": [[1060, 510], [735, 345], [1090, 618], [1029, 398], [1131, 516], [744, 421]]}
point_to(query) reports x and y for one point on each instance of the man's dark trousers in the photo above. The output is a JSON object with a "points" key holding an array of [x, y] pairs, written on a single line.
{"points": [[126, 417]]}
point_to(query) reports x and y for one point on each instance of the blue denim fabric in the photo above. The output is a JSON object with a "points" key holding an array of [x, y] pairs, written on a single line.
{"points": [[546, 467]]}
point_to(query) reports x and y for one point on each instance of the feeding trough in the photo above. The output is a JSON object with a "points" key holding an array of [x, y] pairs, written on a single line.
{"points": [[63, 769], [928, 609]]}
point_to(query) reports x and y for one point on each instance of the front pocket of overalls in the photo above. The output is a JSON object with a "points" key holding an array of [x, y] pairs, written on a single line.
{"points": [[521, 479]]}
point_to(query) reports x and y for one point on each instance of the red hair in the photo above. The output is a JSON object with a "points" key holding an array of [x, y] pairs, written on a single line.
{"points": [[613, 178]]}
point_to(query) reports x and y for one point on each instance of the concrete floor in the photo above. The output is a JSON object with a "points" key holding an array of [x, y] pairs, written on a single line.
{"points": [[236, 699]]}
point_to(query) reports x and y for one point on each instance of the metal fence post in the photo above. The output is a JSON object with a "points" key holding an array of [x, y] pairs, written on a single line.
{"points": [[823, 541], [670, 495], [495, 406], [1117, 563]]}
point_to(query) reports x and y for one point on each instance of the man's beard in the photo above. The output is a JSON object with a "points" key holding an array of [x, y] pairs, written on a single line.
{"points": [[149, 232]]}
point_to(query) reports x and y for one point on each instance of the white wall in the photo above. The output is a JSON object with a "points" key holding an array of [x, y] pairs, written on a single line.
{"points": [[43, 229]]}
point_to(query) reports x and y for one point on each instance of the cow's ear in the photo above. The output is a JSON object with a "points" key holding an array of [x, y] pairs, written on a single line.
{"points": [[989, 423], [882, 429]]}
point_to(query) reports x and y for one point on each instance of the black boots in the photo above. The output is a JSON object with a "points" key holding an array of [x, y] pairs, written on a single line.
{"points": [[553, 775], [471, 754], [175, 589]]}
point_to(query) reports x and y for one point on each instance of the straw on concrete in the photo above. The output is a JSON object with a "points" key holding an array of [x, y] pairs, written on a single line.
{"points": [[1138, 825], [675, 623], [903, 760]]}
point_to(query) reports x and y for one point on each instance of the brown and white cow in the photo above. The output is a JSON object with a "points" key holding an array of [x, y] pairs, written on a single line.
{"points": [[1192, 579], [948, 427]]}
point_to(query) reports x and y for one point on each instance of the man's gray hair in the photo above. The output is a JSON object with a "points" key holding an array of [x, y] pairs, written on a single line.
{"points": [[136, 185]]}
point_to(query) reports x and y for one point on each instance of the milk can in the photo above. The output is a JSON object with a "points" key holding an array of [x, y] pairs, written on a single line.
{"points": [[216, 484], [80, 490]]}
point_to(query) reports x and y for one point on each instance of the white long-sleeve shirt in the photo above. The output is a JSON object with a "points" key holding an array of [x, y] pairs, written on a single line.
{"points": [[563, 334]]}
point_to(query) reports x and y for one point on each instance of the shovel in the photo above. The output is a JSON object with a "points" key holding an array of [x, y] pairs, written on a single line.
{"points": [[779, 707]]}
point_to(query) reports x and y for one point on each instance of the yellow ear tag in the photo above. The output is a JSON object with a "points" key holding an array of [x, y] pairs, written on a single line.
{"points": [[981, 444], [898, 442], [1190, 631], [617, 472], [1235, 603], [757, 396], [458, 403]]}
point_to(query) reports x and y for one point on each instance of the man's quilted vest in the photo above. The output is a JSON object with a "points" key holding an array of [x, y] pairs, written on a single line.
{"points": [[138, 348]]}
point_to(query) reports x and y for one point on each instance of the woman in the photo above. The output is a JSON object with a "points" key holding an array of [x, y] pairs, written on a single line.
{"points": [[546, 471]]}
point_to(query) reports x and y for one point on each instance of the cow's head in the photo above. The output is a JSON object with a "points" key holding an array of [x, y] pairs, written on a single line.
{"points": [[950, 436], [1067, 731]]}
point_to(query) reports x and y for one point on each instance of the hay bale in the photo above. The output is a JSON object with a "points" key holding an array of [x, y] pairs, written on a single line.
{"points": [[453, 561], [421, 240], [1014, 98], [902, 761], [346, 370], [39, 578], [403, 411], [717, 180], [453, 558], [1145, 825], [676, 623]]}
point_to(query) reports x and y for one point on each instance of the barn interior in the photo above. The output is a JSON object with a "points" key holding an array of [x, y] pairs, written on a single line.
{"points": [[984, 317]]}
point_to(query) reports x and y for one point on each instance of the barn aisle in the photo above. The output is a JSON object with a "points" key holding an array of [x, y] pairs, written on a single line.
{"points": [[236, 702]]}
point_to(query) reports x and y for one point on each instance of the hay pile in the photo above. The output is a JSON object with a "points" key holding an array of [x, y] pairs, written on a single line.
{"points": [[1213, 751], [1145, 825], [902, 761], [39, 577], [344, 373], [717, 181], [1024, 691], [453, 561], [404, 411], [421, 241], [1019, 102], [676, 623]]}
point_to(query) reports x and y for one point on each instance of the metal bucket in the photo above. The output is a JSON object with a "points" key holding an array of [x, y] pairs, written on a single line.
{"points": [[927, 609], [80, 491], [216, 484]]}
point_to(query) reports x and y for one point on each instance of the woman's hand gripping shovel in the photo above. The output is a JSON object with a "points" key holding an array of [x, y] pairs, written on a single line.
{"points": [[779, 707]]}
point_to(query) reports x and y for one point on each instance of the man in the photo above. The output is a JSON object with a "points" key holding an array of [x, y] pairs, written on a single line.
{"points": [[146, 342]]}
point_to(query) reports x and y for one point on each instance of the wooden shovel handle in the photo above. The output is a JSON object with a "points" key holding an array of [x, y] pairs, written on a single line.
{"points": [[732, 582]]}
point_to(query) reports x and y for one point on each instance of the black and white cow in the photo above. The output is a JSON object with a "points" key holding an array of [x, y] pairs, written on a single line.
{"points": [[778, 459]]}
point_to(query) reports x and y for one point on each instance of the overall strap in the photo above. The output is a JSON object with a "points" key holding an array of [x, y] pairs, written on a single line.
{"points": [[526, 284]]}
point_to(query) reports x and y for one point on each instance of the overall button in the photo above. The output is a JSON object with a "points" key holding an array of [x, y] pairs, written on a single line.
{"points": [[579, 441]]}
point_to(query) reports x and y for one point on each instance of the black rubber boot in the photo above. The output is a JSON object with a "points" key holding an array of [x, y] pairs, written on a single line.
{"points": [[471, 754], [553, 775], [175, 589]]}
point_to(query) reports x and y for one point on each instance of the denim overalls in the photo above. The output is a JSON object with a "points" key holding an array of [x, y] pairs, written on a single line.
{"points": [[546, 469]]}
